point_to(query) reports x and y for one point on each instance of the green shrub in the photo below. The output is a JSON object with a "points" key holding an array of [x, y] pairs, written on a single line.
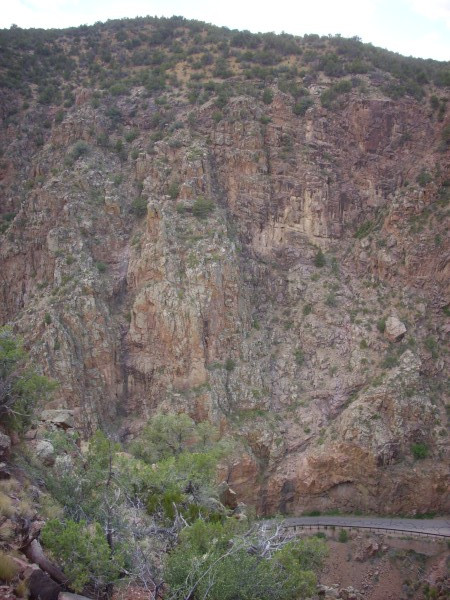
{"points": [[419, 450], [202, 207], [335, 266], [139, 206], [307, 309], [103, 139], [329, 96], [390, 361], [100, 266], [131, 135], [59, 116], [331, 300], [25, 388], [267, 96], [319, 259], [173, 190], [214, 558], [358, 67], [47, 318], [363, 230], [119, 148], [79, 149], [83, 552], [302, 106], [446, 134], [381, 325], [119, 89], [424, 178], [230, 364], [299, 356], [432, 346], [434, 102], [343, 536]]}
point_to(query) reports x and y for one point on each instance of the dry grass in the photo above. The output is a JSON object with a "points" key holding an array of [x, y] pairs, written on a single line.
{"points": [[48, 508], [6, 507], [7, 531], [8, 568], [9, 486], [25, 509], [21, 590]]}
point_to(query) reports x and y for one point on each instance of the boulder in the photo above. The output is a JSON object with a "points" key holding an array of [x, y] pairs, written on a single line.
{"points": [[349, 593], [42, 587], [5, 446], [46, 452], [227, 496], [395, 329], [6, 593], [60, 417], [370, 550], [30, 434], [240, 510], [327, 592], [5, 473]]}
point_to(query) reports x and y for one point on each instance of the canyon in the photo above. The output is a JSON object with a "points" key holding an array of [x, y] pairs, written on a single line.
{"points": [[275, 267]]}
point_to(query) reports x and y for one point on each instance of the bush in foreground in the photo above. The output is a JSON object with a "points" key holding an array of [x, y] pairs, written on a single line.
{"points": [[226, 561]]}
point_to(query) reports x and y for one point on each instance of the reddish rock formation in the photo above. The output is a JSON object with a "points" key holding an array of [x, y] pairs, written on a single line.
{"points": [[231, 317]]}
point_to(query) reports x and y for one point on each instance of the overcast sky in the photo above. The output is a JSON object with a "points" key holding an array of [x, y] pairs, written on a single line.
{"points": [[411, 27]]}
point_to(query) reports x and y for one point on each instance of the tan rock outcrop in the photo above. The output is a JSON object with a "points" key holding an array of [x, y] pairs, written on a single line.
{"points": [[395, 329]]}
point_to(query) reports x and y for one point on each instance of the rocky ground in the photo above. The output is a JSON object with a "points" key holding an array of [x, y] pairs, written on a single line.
{"points": [[379, 567]]}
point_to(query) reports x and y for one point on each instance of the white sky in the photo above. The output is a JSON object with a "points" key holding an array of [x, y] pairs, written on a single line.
{"points": [[411, 27]]}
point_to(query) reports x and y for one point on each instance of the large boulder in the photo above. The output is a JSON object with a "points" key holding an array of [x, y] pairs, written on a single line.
{"points": [[368, 551], [395, 329], [227, 496], [46, 452], [42, 587], [60, 417]]}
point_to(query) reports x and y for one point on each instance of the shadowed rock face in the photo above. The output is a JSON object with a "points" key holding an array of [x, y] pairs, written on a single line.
{"points": [[230, 315]]}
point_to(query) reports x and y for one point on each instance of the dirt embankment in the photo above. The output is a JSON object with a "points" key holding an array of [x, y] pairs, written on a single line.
{"points": [[380, 567]]}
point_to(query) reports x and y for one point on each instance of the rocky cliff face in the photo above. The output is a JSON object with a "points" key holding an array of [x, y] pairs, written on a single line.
{"points": [[283, 275]]}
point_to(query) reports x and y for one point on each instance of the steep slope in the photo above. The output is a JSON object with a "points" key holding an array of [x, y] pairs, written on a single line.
{"points": [[250, 229]]}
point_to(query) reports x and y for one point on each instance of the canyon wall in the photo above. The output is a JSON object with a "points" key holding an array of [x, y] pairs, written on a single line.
{"points": [[284, 276]]}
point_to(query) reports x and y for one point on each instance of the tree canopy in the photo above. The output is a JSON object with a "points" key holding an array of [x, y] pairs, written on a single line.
{"points": [[21, 387]]}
